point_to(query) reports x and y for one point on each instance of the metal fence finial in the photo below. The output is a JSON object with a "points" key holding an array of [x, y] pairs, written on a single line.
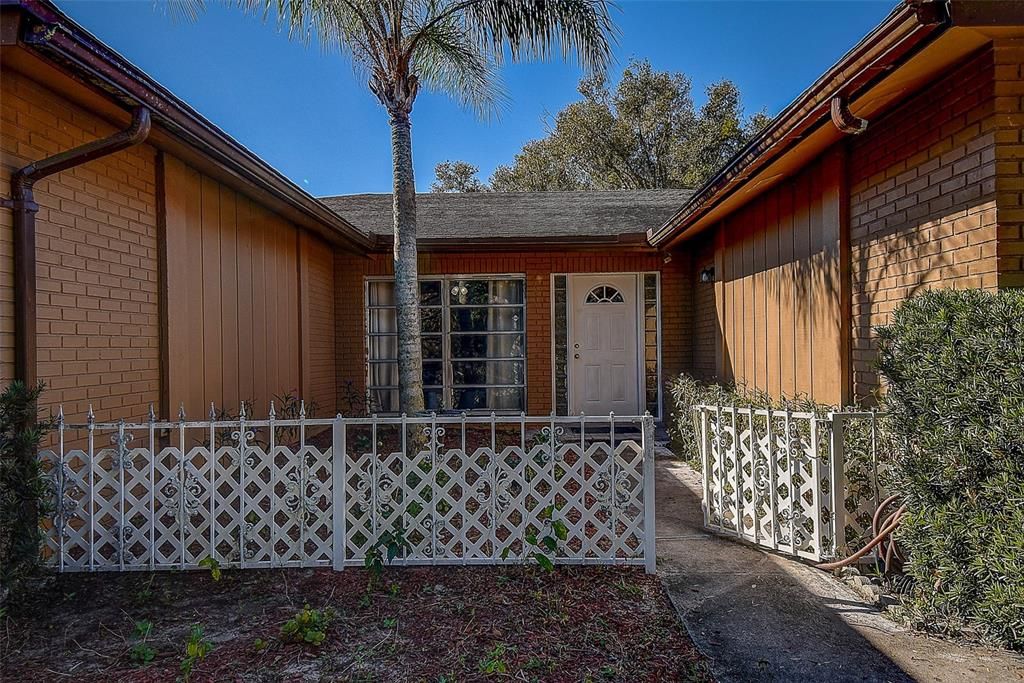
{"points": [[273, 413], [151, 416], [302, 409], [90, 416], [213, 412], [181, 413]]}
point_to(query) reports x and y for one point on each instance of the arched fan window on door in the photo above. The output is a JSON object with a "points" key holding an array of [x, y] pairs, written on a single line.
{"points": [[604, 294]]}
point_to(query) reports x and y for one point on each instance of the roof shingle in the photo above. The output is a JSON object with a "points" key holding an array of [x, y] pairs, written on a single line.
{"points": [[518, 215]]}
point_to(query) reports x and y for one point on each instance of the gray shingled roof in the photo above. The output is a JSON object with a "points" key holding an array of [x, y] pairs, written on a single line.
{"points": [[497, 215]]}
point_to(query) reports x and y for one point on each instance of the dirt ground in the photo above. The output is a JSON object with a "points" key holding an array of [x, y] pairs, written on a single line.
{"points": [[421, 624]]}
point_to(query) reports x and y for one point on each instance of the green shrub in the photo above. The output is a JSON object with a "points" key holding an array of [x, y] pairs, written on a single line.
{"points": [[22, 483], [953, 362]]}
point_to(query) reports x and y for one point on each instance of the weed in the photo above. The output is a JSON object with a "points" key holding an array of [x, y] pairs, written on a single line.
{"points": [[259, 645], [307, 626], [494, 662], [546, 544], [196, 649], [390, 544], [141, 652], [213, 565], [389, 622]]}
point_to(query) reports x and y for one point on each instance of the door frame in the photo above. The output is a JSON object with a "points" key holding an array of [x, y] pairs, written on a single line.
{"points": [[640, 347]]}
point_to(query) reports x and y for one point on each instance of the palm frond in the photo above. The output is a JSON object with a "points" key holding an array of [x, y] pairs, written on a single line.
{"points": [[580, 30], [448, 61]]}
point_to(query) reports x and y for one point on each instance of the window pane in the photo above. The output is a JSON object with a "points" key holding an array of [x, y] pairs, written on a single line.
{"points": [[484, 372], [475, 292], [430, 293], [382, 292], [432, 399], [487, 346], [430, 319], [383, 348], [383, 400], [503, 398], [431, 347], [487, 319], [382, 320], [433, 374], [383, 374]]}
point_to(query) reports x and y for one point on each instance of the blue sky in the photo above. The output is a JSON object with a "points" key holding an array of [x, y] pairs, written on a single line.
{"points": [[310, 116]]}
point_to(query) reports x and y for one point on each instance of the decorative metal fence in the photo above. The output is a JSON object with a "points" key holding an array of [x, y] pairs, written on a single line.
{"points": [[801, 483], [310, 492]]}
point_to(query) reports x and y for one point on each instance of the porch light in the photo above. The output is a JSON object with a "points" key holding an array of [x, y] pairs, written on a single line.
{"points": [[707, 274]]}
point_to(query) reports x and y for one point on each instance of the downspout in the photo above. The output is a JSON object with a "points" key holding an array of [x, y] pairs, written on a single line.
{"points": [[22, 203]]}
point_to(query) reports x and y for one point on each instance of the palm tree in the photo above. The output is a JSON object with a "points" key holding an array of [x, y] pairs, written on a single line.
{"points": [[449, 46]]}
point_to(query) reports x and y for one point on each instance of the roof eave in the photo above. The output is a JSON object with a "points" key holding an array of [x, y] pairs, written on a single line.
{"points": [[59, 39], [906, 30]]}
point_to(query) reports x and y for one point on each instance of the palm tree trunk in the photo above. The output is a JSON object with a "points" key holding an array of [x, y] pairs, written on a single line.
{"points": [[407, 290]]}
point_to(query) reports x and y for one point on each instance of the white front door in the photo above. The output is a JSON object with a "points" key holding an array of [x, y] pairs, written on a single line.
{"points": [[603, 360]]}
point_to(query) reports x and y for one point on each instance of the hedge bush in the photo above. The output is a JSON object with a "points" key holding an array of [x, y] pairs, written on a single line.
{"points": [[23, 485], [953, 362]]}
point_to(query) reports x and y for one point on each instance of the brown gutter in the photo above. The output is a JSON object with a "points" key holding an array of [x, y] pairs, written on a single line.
{"points": [[906, 30], [55, 35], [22, 203]]}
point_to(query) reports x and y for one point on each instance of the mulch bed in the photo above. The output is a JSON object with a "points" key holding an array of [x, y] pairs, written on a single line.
{"points": [[422, 624]]}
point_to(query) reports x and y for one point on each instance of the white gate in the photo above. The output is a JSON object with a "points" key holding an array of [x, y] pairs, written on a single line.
{"points": [[788, 480], [319, 492]]}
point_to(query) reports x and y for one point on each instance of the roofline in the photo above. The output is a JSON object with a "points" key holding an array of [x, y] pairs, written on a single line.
{"points": [[61, 40], [636, 240], [908, 28]]}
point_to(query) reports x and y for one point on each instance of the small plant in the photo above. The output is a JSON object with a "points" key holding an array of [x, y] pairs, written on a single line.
{"points": [[196, 649], [546, 544], [389, 622], [494, 662], [141, 652], [309, 626], [390, 544], [259, 645], [213, 565]]}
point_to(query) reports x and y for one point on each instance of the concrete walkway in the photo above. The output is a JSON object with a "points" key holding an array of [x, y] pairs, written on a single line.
{"points": [[761, 617]]}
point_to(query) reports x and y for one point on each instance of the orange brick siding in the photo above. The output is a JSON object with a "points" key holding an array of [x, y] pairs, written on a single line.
{"points": [[98, 334], [923, 202], [1008, 60], [537, 267], [705, 321]]}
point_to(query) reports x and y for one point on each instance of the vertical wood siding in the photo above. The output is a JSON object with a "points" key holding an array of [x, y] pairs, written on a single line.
{"points": [[250, 301], [778, 295]]}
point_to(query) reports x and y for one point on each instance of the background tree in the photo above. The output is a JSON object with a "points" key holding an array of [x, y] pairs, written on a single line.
{"points": [[449, 46], [457, 176], [643, 134]]}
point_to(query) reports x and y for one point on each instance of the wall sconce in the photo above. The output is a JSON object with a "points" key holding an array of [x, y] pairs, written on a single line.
{"points": [[707, 275]]}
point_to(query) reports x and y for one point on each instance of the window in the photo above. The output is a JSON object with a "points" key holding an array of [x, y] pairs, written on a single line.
{"points": [[474, 344], [604, 294]]}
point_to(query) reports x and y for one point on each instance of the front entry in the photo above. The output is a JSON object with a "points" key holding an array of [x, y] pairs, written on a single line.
{"points": [[604, 366]]}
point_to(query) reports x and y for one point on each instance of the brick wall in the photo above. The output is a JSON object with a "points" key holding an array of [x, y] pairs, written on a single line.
{"points": [[537, 267], [98, 333], [1008, 57], [923, 202], [705, 321]]}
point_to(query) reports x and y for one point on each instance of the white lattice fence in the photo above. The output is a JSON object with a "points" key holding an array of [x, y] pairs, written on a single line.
{"points": [[777, 478], [264, 493]]}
